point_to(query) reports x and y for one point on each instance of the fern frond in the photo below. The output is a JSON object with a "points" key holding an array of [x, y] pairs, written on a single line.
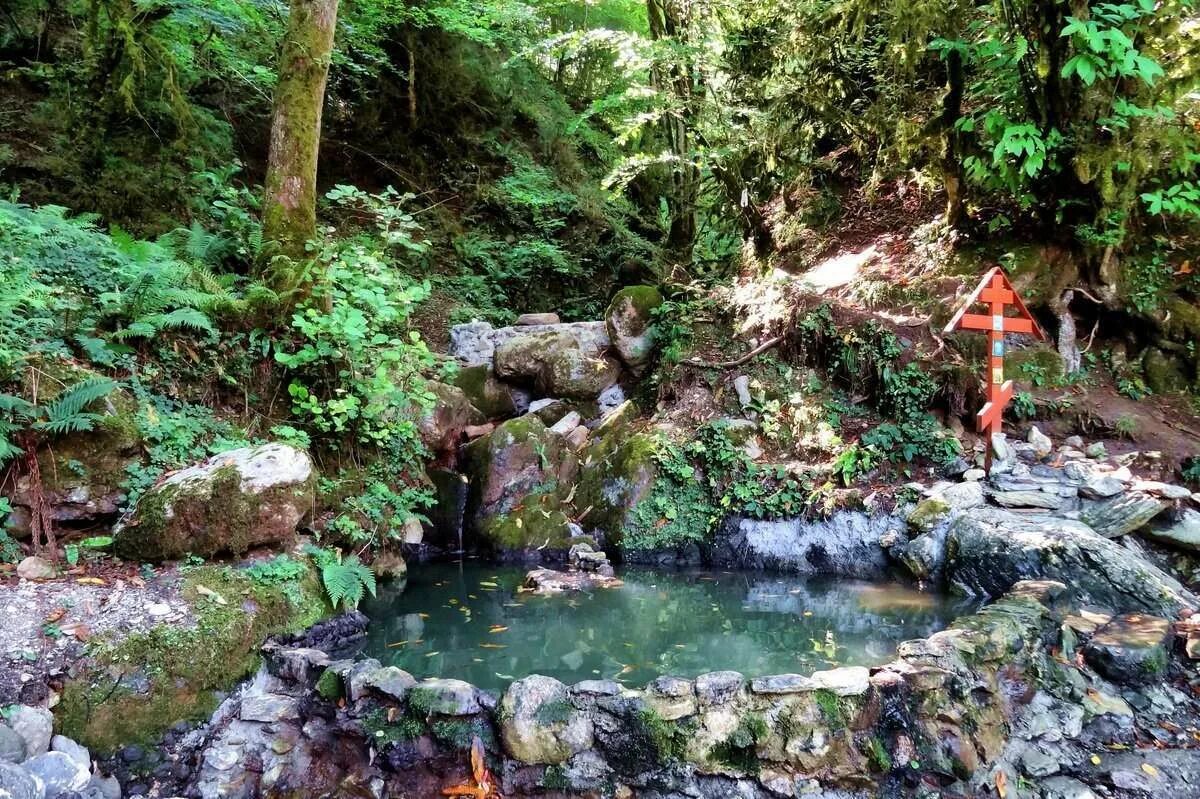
{"points": [[181, 317], [71, 402], [17, 407], [8, 450], [76, 423]]}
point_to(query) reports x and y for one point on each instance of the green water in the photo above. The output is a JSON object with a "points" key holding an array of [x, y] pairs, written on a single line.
{"points": [[468, 621]]}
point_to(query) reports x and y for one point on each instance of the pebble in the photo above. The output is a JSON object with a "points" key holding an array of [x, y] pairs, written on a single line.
{"points": [[158, 609]]}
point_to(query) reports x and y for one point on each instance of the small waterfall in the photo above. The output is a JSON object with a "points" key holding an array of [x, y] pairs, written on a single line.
{"points": [[447, 514]]}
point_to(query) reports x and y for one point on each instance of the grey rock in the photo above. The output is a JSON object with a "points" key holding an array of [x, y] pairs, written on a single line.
{"points": [[58, 772], [1028, 499], [1130, 649], [12, 746], [610, 399], [529, 319], [974, 475], [35, 568], [567, 423], [539, 724], [34, 725], [1066, 788], [17, 782], [1041, 443], [1101, 486], [1096, 451], [781, 684], [391, 681], [77, 752], [1182, 531], [847, 544], [596, 688], [106, 787], [1037, 763], [962, 496], [671, 697], [269, 708], [1122, 514], [1000, 447], [741, 385], [991, 549], [718, 687], [587, 771], [1075, 442], [445, 697], [1164, 490]]}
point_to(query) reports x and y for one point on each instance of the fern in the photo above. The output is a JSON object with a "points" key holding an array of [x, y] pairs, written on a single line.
{"points": [[66, 413], [346, 580]]}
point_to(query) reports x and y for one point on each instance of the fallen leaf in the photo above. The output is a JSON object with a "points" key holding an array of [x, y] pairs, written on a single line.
{"points": [[55, 615], [1002, 784], [1149, 769], [89, 581], [1095, 760], [211, 594]]}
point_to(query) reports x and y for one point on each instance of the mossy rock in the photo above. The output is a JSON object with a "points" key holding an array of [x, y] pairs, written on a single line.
{"points": [[618, 471], [517, 473], [927, 514], [485, 391], [1024, 364], [1164, 373], [234, 501], [556, 365], [132, 689], [1182, 320], [441, 427], [630, 322]]}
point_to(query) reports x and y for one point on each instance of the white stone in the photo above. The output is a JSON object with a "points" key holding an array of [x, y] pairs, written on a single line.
{"points": [[974, 475], [1041, 443], [741, 384], [567, 423], [846, 681]]}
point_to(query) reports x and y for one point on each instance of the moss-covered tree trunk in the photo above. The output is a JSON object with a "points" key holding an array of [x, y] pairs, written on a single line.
{"points": [[290, 201]]}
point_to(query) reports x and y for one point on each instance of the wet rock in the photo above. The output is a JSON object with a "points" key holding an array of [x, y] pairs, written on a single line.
{"points": [[618, 470], [550, 581], [539, 723], [1066, 788], [1159, 489], [19, 783], [443, 426], [35, 568], [1130, 649], [77, 752], [1182, 531], [989, 550], [610, 399], [583, 557], [444, 697], [34, 725], [1122, 514], [630, 323], [847, 543], [1096, 451], [59, 773], [741, 386], [229, 503], [962, 496]]}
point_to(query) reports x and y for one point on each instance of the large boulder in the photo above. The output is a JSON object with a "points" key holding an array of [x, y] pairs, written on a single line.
{"points": [[630, 322], [990, 549], [517, 472], [556, 364], [442, 426], [618, 469], [233, 501], [539, 724], [1124, 513]]}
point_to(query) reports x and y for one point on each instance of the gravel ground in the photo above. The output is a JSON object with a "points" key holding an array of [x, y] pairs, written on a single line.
{"points": [[44, 624]]}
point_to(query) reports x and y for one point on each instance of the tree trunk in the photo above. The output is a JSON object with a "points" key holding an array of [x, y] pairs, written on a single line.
{"points": [[951, 157], [290, 201], [667, 20]]}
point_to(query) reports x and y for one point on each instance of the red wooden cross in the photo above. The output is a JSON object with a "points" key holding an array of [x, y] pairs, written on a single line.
{"points": [[999, 295]]}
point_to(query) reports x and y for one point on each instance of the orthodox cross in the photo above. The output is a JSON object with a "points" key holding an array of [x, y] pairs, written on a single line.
{"points": [[998, 294]]}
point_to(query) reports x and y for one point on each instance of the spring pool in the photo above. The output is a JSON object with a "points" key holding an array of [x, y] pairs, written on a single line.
{"points": [[468, 621]]}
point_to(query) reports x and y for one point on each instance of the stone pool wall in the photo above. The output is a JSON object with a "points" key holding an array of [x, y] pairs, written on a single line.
{"points": [[944, 716]]}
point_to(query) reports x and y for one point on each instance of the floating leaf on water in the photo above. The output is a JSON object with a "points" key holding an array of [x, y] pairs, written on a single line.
{"points": [[497, 628], [396, 644], [423, 615], [493, 646], [431, 654], [504, 676]]}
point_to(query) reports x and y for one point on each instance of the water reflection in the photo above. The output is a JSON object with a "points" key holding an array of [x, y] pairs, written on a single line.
{"points": [[468, 621]]}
